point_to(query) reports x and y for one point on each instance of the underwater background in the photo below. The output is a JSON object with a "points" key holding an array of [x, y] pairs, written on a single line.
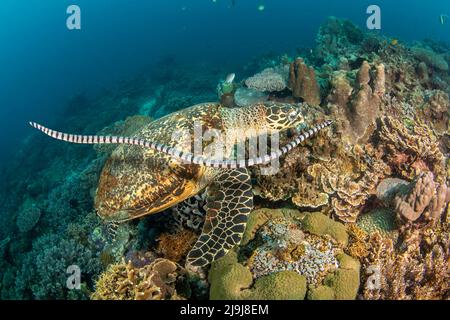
{"points": [[133, 61]]}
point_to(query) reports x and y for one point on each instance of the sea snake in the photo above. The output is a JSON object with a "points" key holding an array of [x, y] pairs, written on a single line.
{"points": [[187, 157]]}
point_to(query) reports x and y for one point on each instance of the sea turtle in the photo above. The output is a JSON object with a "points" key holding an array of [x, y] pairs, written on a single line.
{"points": [[156, 168]]}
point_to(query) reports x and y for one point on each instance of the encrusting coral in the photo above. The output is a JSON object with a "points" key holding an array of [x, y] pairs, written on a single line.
{"points": [[155, 281]]}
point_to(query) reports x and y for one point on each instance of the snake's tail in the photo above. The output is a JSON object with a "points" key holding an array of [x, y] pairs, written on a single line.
{"points": [[186, 157]]}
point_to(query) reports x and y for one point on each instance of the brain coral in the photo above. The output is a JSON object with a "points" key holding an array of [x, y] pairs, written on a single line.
{"points": [[296, 254]]}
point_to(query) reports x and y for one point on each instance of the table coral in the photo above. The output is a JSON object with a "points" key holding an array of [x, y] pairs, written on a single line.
{"points": [[268, 80]]}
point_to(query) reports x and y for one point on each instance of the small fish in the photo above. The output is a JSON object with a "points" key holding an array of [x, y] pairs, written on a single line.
{"points": [[261, 7], [443, 19], [230, 78], [394, 42]]}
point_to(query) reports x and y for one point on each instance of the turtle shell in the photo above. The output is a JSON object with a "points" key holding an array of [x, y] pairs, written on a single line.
{"points": [[137, 181]]}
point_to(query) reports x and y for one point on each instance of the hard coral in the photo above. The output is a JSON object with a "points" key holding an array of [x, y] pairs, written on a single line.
{"points": [[419, 145], [423, 198], [268, 80], [302, 82], [431, 58], [419, 271], [155, 281], [356, 107], [175, 246], [282, 244]]}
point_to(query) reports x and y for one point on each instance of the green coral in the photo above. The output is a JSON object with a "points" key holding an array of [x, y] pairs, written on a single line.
{"points": [[381, 220], [343, 284], [231, 281], [319, 224]]}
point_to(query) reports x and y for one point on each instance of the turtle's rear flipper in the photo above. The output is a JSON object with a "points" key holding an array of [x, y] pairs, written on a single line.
{"points": [[229, 202]]}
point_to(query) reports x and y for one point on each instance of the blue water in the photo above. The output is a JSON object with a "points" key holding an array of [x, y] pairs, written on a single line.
{"points": [[43, 63]]}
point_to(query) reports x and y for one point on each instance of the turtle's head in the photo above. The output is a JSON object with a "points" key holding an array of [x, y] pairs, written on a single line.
{"points": [[282, 116]]}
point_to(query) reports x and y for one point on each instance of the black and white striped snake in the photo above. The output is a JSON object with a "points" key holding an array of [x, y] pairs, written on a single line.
{"points": [[187, 157]]}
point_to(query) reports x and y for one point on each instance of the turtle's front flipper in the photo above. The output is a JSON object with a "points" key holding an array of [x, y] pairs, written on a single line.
{"points": [[229, 202]]}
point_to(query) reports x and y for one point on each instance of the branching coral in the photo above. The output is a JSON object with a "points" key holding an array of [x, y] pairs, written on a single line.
{"points": [[155, 281], [302, 82]]}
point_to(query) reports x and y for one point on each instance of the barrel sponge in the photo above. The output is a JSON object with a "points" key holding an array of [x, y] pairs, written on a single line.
{"points": [[319, 224], [232, 281]]}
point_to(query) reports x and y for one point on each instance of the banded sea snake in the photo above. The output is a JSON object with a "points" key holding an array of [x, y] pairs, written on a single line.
{"points": [[187, 157]]}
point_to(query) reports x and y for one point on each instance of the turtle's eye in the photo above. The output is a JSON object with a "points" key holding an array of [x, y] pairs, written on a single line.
{"points": [[292, 116]]}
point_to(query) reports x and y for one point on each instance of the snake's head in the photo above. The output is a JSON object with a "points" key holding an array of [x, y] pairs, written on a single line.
{"points": [[282, 116]]}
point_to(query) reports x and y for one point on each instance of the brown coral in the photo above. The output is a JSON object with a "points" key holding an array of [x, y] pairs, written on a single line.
{"points": [[418, 143], [175, 246], [155, 281], [423, 198], [302, 82], [420, 271], [356, 107]]}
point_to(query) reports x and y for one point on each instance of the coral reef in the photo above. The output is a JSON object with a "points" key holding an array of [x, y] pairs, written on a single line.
{"points": [[430, 58], [28, 216], [368, 199], [419, 271], [422, 198], [280, 244]]}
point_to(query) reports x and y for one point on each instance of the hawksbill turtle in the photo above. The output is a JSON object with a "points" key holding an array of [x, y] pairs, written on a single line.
{"points": [[155, 169]]}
